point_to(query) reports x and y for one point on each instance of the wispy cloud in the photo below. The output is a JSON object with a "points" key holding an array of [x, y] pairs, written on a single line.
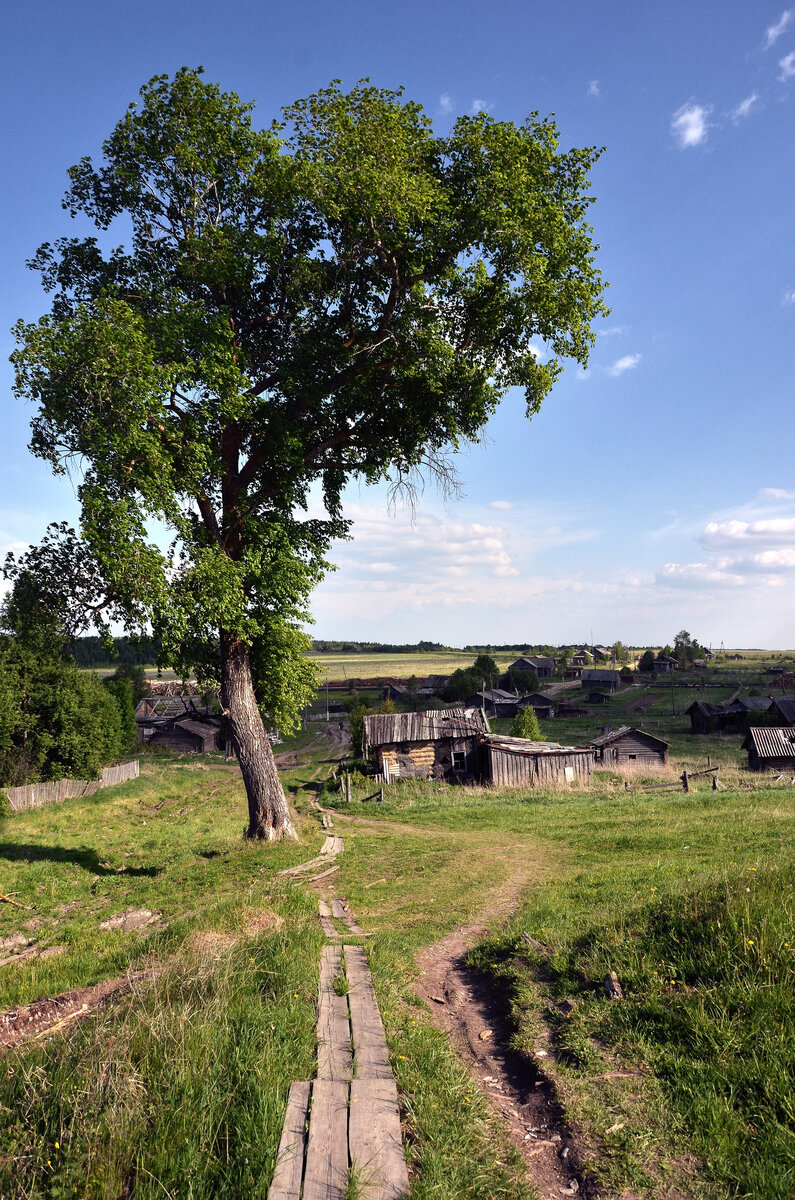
{"points": [[787, 65], [612, 331], [744, 107], [689, 124], [774, 32], [479, 106], [445, 103], [593, 88], [789, 296], [504, 505], [627, 363]]}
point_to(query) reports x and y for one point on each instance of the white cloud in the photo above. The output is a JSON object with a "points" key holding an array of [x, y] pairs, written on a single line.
{"points": [[787, 65], [689, 125], [696, 574], [730, 533], [744, 107], [504, 505], [593, 88], [627, 363], [774, 32], [789, 296], [776, 494], [445, 103], [612, 331], [479, 106]]}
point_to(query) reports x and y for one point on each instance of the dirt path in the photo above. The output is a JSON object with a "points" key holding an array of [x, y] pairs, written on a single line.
{"points": [[475, 1017], [55, 1013]]}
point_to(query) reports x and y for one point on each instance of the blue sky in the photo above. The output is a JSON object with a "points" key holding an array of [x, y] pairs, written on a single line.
{"points": [[654, 492]]}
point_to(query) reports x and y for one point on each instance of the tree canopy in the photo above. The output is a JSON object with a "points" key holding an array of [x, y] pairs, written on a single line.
{"points": [[341, 295]]}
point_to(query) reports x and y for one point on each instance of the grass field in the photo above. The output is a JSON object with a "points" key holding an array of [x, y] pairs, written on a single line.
{"points": [[177, 1088]]}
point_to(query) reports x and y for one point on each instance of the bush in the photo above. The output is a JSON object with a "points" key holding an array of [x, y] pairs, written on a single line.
{"points": [[525, 725]]}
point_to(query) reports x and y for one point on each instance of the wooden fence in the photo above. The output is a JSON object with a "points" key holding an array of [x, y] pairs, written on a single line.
{"points": [[33, 795]]}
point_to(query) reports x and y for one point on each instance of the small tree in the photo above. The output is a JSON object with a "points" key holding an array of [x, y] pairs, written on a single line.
{"points": [[525, 725], [647, 660]]}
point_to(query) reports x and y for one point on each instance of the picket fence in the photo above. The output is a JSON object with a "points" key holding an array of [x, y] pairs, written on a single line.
{"points": [[33, 795]]}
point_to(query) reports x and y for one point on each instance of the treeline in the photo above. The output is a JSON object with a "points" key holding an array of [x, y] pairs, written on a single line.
{"points": [[331, 647], [91, 652]]}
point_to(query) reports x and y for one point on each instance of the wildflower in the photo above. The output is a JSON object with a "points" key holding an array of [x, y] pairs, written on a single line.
{"points": [[750, 942], [57, 1145]]}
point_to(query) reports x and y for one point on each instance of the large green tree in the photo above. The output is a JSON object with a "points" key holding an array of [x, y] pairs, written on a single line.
{"points": [[340, 295]]}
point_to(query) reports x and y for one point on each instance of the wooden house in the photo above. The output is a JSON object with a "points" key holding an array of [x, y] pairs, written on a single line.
{"points": [[581, 658], [602, 654], [430, 745], [732, 716], [616, 746], [598, 698], [542, 705], [495, 702], [543, 666], [434, 685], [783, 710], [188, 735], [572, 672], [770, 749], [517, 762], [394, 691], [602, 679], [665, 663]]}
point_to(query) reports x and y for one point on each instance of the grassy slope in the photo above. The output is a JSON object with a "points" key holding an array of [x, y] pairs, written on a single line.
{"points": [[653, 887]]}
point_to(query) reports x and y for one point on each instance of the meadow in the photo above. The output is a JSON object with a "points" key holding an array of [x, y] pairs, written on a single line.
{"points": [[177, 1086]]}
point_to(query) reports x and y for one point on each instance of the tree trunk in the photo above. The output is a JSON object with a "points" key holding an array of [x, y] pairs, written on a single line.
{"points": [[268, 812]]}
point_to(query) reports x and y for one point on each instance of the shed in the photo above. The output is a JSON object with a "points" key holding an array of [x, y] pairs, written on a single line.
{"points": [[572, 672], [602, 678], [627, 744], [732, 716], [430, 745], [516, 762], [598, 698], [394, 691], [770, 749], [581, 658]]}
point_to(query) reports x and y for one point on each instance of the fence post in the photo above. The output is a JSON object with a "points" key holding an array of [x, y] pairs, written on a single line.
{"points": [[348, 788], [685, 785], [715, 782], [380, 798]]}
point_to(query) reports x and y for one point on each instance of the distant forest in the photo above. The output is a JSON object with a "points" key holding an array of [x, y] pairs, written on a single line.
{"points": [[90, 652]]}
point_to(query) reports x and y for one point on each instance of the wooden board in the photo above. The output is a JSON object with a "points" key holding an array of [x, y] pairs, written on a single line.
{"points": [[325, 1177], [371, 1058], [325, 911], [337, 910], [286, 1184], [333, 1025], [374, 1137], [323, 874]]}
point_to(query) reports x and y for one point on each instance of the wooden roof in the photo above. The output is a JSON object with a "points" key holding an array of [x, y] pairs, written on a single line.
{"points": [[786, 706], [770, 743], [615, 735], [384, 729]]}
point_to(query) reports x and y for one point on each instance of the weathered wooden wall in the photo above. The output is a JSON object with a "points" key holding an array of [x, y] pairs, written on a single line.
{"points": [[633, 748], [512, 768], [33, 795]]}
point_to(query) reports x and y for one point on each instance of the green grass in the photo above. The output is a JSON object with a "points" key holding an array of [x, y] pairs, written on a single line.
{"points": [[179, 1088]]}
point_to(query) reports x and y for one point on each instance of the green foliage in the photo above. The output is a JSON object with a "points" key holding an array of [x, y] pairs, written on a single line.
{"points": [[122, 691], [647, 660], [5, 805], [525, 725], [135, 675], [686, 649], [525, 682], [341, 295], [358, 713], [485, 666], [55, 721]]}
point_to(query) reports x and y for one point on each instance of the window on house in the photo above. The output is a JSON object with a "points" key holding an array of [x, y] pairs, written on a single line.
{"points": [[459, 760], [631, 756]]}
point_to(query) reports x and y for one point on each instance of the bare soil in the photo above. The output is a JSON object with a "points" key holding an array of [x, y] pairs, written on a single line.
{"points": [[51, 1015], [476, 1019]]}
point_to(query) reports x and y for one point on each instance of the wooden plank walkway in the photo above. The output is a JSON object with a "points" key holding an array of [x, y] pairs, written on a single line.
{"points": [[345, 1124]]}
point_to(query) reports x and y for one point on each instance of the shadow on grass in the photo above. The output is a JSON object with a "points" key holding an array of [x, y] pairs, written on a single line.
{"points": [[82, 856]]}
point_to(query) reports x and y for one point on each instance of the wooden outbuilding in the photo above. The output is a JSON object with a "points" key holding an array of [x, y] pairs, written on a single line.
{"points": [[625, 745], [732, 716], [783, 710], [495, 702], [665, 663], [516, 762], [541, 704], [394, 691], [572, 672], [434, 685], [189, 735], [770, 749], [543, 666], [430, 745], [602, 679]]}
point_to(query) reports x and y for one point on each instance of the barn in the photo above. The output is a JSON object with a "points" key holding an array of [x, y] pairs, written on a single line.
{"points": [[783, 710], [616, 746], [516, 762], [495, 702], [190, 735], [430, 745], [770, 749]]}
